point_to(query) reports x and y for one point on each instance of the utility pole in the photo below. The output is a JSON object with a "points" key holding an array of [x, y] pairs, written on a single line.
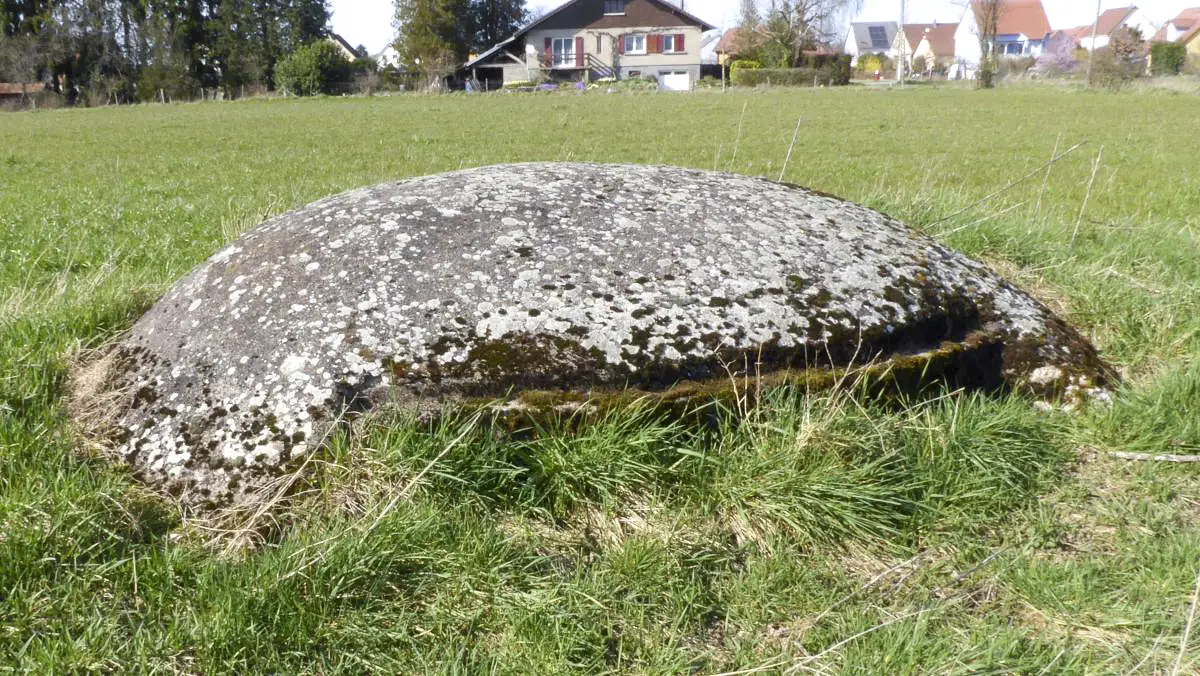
{"points": [[902, 53], [1092, 51]]}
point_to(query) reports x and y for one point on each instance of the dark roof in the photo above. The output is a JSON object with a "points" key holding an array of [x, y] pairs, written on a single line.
{"points": [[862, 35]]}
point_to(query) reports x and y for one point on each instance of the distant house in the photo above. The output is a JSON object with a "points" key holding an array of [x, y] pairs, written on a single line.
{"points": [[590, 39], [871, 37], [934, 42], [1110, 22], [344, 47], [1021, 31], [734, 41], [1180, 27]]}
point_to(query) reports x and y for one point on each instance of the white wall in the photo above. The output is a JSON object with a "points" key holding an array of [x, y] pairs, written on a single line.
{"points": [[966, 41]]}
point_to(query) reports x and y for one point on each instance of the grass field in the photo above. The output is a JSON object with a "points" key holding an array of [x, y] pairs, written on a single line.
{"points": [[962, 534]]}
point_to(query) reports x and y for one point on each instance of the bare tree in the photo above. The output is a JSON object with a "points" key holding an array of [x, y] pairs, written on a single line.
{"points": [[793, 26], [987, 20]]}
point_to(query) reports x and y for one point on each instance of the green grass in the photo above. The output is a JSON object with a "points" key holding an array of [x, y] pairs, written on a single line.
{"points": [[960, 534]]}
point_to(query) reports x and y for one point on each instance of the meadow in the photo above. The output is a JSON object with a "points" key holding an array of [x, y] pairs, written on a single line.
{"points": [[960, 533]]}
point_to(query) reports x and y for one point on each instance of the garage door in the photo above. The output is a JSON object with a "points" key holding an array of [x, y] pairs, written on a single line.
{"points": [[678, 81]]}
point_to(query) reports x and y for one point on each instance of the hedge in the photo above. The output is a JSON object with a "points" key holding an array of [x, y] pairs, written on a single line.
{"points": [[835, 73], [1167, 58]]}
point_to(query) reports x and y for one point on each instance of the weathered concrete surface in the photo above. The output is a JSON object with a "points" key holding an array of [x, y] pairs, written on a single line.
{"points": [[575, 278]]}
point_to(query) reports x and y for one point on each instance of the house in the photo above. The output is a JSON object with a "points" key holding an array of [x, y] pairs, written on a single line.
{"points": [[590, 39], [1022, 30], [732, 42], [344, 47], [1191, 40], [871, 37], [932, 42], [1110, 22], [1182, 25]]}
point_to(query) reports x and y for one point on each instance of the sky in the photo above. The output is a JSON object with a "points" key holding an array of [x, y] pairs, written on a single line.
{"points": [[369, 22]]}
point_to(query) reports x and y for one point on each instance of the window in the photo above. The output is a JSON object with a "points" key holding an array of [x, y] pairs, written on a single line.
{"points": [[635, 44], [878, 37], [613, 7], [599, 44], [1014, 48], [563, 52], [670, 44]]}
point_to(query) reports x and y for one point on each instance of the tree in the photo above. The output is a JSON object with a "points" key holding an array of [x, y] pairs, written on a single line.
{"points": [[491, 21], [106, 50], [987, 19], [316, 68], [432, 36], [793, 26]]}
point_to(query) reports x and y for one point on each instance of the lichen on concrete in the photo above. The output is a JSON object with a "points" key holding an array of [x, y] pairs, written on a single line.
{"points": [[573, 278]]}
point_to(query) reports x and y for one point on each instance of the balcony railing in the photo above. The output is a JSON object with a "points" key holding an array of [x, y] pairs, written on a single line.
{"points": [[563, 60]]}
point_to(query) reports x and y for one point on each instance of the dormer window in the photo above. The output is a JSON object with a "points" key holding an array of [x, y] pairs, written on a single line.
{"points": [[614, 7]]}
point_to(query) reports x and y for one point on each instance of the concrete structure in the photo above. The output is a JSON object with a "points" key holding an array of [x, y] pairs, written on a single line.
{"points": [[591, 39]]}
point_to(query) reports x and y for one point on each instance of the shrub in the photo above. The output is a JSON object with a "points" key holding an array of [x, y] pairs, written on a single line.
{"points": [[791, 77], [1015, 67], [833, 69], [920, 64], [168, 80], [316, 68], [1167, 58], [742, 64], [869, 63], [636, 83], [1113, 72]]}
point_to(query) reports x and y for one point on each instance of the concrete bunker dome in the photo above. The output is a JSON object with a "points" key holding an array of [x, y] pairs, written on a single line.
{"points": [[564, 281]]}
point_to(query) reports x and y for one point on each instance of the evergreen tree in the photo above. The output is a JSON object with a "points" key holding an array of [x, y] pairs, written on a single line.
{"points": [[433, 36], [492, 21]]}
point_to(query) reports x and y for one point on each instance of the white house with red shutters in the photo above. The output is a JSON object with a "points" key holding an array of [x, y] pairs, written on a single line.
{"points": [[590, 39]]}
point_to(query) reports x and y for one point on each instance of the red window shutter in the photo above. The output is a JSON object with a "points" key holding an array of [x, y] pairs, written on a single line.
{"points": [[679, 42], [550, 51], [621, 44], [655, 46], [579, 52]]}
